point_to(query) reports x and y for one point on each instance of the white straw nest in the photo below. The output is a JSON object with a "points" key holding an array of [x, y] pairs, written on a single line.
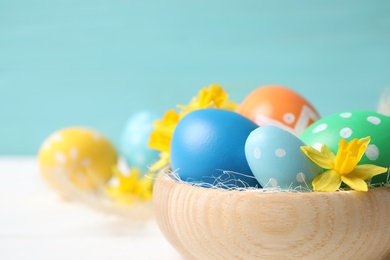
{"points": [[224, 182]]}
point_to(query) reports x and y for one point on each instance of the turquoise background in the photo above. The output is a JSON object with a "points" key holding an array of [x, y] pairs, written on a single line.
{"points": [[95, 62]]}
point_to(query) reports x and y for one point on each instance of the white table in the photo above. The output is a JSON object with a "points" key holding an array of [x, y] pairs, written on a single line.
{"points": [[36, 224]]}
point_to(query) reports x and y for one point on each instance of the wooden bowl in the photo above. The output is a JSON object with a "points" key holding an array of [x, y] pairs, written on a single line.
{"points": [[206, 223]]}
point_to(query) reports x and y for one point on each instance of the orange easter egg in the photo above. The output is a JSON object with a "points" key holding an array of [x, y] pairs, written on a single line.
{"points": [[279, 106]]}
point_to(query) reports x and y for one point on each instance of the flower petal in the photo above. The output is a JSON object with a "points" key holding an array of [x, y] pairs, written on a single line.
{"points": [[341, 156], [348, 155], [162, 162], [366, 171], [160, 141], [320, 159], [365, 140], [160, 138], [213, 97], [229, 105], [354, 182], [327, 181], [217, 95], [328, 152]]}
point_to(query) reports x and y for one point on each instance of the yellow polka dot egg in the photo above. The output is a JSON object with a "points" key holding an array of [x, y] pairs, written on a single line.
{"points": [[77, 155]]}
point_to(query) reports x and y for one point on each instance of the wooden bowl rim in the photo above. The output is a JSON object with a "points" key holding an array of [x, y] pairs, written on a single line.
{"points": [[163, 176]]}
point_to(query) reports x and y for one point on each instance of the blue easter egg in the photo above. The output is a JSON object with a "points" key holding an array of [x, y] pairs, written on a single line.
{"points": [[276, 159], [135, 138], [207, 142]]}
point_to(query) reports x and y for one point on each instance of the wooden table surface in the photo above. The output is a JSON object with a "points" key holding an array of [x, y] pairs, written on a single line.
{"points": [[36, 224]]}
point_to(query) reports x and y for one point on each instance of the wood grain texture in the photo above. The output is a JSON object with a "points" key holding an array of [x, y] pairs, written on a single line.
{"points": [[216, 224]]}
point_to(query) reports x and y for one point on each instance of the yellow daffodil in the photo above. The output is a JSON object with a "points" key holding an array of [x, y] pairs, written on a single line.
{"points": [[130, 188], [160, 138], [213, 97], [161, 163], [343, 166]]}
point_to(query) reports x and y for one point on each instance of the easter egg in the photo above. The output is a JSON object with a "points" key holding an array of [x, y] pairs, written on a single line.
{"points": [[134, 140], [276, 159], [279, 106], [206, 143], [80, 155], [354, 124]]}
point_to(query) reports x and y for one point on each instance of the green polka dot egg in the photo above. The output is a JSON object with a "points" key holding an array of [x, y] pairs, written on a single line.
{"points": [[354, 124]]}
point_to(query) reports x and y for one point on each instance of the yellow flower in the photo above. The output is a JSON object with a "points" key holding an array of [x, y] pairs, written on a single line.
{"points": [[343, 166], [130, 188], [213, 97], [161, 163], [160, 138]]}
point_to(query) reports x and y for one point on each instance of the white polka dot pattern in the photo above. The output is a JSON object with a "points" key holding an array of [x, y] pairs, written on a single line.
{"points": [[320, 128], [301, 177], [57, 137], [257, 153], [273, 182], [73, 153], [346, 132], [346, 115], [60, 157], [288, 118], [372, 152], [317, 146], [280, 152], [86, 162], [374, 120]]}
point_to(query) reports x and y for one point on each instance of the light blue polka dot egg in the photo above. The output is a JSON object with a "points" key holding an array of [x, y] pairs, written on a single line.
{"points": [[135, 138], [276, 159]]}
